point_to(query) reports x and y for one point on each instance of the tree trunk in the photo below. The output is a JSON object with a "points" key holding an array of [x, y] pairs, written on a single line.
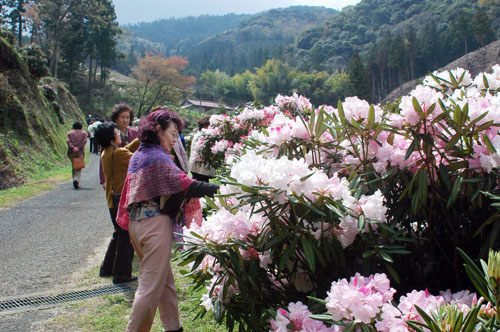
{"points": [[55, 52], [390, 80], [412, 68], [89, 83], [374, 87]]}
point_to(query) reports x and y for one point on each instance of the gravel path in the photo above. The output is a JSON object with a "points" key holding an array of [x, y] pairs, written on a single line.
{"points": [[45, 240]]}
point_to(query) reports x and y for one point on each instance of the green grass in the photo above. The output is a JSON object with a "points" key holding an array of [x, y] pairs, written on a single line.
{"points": [[35, 187], [111, 312], [41, 181]]}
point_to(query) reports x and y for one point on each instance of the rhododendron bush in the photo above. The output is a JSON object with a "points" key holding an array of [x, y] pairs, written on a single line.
{"points": [[313, 195]]}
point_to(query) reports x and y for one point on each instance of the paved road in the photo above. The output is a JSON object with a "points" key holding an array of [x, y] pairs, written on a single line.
{"points": [[44, 240]]}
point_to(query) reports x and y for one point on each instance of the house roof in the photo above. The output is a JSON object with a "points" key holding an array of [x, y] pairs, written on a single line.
{"points": [[205, 103]]}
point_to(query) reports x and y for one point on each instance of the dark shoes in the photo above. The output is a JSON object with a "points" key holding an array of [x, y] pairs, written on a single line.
{"points": [[104, 274], [120, 279], [76, 185], [179, 330]]}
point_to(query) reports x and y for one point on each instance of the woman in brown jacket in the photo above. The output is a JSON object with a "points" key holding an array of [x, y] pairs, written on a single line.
{"points": [[114, 161]]}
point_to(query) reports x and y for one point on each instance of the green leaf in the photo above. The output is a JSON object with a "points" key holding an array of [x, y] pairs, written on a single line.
{"points": [[444, 176], [488, 144], [428, 319], [276, 241], [322, 317], [210, 202], [488, 221], [457, 186], [393, 273], [484, 126], [418, 109], [385, 256], [368, 254], [361, 221], [439, 118], [288, 253], [427, 139], [453, 141], [390, 138], [476, 120], [249, 189], [335, 210], [302, 179], [340, 110], [422, 187], [470, 320], [309, 252], [430, 110], [415, 325], [485, 81], [476, 275], [457, 115], [371, 118], [411, 148], [315, 299]]}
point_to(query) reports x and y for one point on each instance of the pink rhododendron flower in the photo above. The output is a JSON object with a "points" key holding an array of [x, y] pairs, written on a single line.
{"points": [[294, 102], [357, 109], [426, 97], [297, 319], [359, 299]]}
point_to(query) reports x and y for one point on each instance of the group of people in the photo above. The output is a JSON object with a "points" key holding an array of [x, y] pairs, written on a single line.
{"points": [[145, 175]]}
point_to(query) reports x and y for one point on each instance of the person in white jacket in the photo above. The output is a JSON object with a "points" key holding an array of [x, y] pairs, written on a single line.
{"points": [[94, 145]]}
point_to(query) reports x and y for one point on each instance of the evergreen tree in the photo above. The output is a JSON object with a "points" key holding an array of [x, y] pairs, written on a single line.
{"points": [[54, 15], [12, 11], [461, 27], [358, 79], [411, 49], [74, 39], [397, 58], [481, 26], [430, 48]]}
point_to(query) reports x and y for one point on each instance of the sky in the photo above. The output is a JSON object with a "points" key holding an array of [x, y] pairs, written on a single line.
{"points": [[133, 11]]}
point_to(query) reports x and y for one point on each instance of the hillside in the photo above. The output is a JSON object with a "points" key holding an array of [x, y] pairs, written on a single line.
{"points": [[476, 62], [370, 23], [260, 37], [231, 43], [178, 34], [34, 119]]}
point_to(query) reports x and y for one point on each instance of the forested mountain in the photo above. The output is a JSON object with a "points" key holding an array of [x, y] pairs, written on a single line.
{"points": [[394, 41], [179, 34], [260, 37], [397, 40], [231, 43]]}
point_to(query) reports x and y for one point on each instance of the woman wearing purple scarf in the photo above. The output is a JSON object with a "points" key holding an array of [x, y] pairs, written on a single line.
{"points": [[152, 198]]}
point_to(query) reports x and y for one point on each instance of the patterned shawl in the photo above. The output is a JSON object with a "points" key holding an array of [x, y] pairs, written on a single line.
{"points": [[151, 174]]}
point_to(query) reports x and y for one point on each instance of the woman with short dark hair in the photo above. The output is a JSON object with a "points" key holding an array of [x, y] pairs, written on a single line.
{"points": [[152, 199], [114, 160], [76, 140]]}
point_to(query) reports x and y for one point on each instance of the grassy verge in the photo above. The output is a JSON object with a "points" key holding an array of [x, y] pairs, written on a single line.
{"points": [[44, 180], [34, 186], [111, 312]]}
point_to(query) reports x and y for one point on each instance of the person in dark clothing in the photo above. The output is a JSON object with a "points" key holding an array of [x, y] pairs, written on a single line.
{"points": [[114, 160]]}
